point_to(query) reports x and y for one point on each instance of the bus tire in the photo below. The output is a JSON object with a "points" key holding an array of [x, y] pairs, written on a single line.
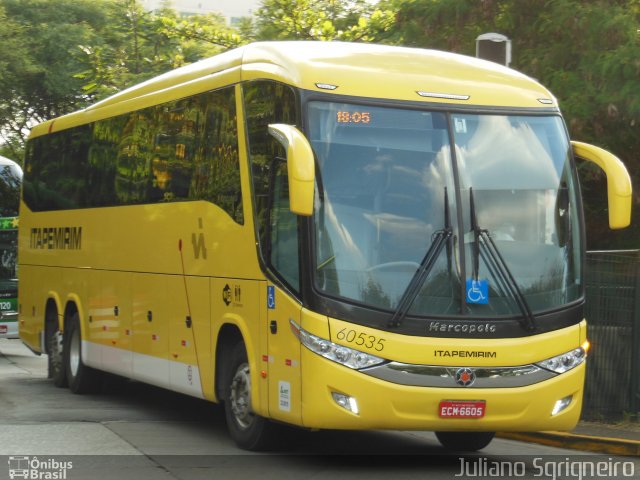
{"points": [[465, 441], [247, 429], [81, 379], [55, 355]]}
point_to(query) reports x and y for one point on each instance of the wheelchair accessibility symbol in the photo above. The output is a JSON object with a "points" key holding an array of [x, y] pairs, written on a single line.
{"points": [[478, 292], [271, 297]]}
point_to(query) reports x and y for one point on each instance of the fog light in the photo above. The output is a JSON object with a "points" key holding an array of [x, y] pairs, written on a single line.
{"points": [[346, 402], [561, 405]]}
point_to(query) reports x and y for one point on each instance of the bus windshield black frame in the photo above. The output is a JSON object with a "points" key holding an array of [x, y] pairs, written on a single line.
{"points": [[385, 171]]}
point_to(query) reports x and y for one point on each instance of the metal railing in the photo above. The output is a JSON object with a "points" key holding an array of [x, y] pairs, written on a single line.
{"points": [[612, 282]]}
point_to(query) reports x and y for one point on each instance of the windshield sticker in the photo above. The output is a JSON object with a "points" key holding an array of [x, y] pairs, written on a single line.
{"points": [[477, 292], [460, 125], [284, 389]]}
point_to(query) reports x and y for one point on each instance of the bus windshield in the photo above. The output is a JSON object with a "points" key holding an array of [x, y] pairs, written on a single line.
{"points": [[390, 183]]}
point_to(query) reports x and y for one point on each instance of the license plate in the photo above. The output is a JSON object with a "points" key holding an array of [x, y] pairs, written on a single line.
{"points": [[462, 408], [3, 329]]}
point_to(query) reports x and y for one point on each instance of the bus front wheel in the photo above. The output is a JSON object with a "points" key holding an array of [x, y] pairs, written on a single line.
{"points": [[247, 429], [465, 441], [81, 379]]}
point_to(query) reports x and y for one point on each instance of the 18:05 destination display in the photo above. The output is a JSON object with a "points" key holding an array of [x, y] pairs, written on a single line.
{"points": [[353, 117]]}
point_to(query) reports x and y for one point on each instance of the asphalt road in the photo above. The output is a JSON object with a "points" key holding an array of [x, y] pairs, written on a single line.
{"points": [[135, 431]]}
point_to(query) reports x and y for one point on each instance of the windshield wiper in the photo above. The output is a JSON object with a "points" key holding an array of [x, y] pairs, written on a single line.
{"points": [[485, 246], [439, 240]]}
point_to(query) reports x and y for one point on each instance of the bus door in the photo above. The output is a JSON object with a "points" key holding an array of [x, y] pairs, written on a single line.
{"points": [[281, 305], [283, 359]]}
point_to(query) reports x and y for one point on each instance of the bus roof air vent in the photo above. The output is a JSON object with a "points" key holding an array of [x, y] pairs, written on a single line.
{"points": [[326, 86], [447, 96]]}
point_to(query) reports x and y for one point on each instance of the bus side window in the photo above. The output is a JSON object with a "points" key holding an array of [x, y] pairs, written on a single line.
{"points": [[283, 226], [265, 103]]}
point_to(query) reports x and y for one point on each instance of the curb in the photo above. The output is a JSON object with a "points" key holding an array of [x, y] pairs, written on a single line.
{"points": [[587, 443]]}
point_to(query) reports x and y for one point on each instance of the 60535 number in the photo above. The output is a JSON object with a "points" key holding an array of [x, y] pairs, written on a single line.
{"points": [[362, 339]]}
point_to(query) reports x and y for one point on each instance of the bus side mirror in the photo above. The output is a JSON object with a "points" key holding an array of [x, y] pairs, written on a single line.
{"points": [[300, 167], [618, 182]]}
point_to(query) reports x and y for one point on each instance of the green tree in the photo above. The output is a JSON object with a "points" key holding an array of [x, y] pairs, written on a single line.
{"points": [[42, 46], [14, 63], [134, 48], [204, 34], [450, 25], [140, 45], [349, 20], [60, 55]]}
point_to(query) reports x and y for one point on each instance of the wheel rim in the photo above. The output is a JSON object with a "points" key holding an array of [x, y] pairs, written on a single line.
{"points": [[240, 397], [74, 353]]}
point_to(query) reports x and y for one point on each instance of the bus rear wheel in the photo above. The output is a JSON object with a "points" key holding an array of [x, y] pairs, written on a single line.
{"points": [[81, 378], [465, 441], [247, 429], [55, 355]]}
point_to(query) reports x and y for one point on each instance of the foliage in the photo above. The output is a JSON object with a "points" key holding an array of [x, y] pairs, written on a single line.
{"points": [[140, 45], [60, 55], [348, 20], [39, 39], [209, 30]]}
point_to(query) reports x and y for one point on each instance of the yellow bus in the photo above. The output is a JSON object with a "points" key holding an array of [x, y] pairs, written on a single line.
{"points": [[324, 235]]}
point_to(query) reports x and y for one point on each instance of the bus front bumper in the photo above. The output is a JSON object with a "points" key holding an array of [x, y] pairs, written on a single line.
{"points": [[9, 326], [337, 397]]}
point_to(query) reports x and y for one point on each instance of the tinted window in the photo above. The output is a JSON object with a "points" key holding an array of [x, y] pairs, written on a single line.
{"points": [[181, 150], [10, 180], [265, 103]]}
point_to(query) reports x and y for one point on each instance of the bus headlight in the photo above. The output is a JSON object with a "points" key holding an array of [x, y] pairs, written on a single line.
{"points": [[337, 353], [566, 361]]}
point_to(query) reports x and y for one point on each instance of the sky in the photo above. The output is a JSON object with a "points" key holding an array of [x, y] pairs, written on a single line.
{"points": [[229, 8]]}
